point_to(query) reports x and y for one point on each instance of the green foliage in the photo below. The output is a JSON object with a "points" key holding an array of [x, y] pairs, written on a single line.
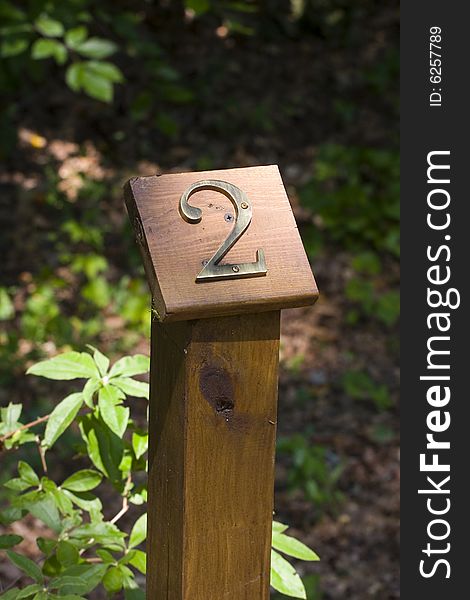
{"points": [[365, 289], [44, 31], [312, 469], [360, 386], [85, 547], [284, 577], [355, 196], [7, 309]]}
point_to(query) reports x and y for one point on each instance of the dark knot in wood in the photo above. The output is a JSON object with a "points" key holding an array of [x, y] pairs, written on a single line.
{"points": [[216, 386]]}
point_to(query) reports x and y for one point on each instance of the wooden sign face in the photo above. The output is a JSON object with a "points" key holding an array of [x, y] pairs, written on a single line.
{"points": [[184, 223]]}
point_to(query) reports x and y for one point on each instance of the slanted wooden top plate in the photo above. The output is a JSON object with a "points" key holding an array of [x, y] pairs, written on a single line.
{"points": [[173, 250]]}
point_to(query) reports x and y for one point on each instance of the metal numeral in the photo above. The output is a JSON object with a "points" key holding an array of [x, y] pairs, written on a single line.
{"points": [[212, 270]]}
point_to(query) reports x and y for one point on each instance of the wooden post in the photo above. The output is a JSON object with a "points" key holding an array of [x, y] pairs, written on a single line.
{"points": [[214, 365]]}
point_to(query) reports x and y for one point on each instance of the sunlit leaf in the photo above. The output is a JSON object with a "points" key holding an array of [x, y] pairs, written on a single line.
{"points": [[102, 361], [284, 577], [66, 366], [139, 531], [131, 387], [96, 48], [27, 473], [116, 417], [280, 527], [292, 547], [83, 481], [127, 366], [43, 48], [139, 560], [49, 27], [139, 444], [75, 36], [61, 417]]}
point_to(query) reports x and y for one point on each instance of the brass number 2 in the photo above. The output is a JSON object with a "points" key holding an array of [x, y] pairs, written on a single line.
{"points": [[212, 270]]}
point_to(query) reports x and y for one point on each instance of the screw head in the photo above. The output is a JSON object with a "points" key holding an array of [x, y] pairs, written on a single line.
{"points": [[244, 205], [204, 262], [228, 217], [235, 268]]}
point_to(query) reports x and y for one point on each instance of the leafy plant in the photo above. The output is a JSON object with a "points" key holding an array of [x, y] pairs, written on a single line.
{"points": [[44, 35], [313, 469], [364, 289], [355, 196], [360, 386], [85, 547]]}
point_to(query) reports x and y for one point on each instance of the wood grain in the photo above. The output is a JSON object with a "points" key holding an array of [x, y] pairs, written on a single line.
{"points": [[211, 459], [174, 250]]}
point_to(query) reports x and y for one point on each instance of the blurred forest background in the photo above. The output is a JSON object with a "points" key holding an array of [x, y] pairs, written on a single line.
{"points": [[93, 93]]}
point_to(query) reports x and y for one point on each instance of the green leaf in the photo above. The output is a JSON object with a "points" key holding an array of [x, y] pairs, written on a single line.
{"points": [[67, 584], [83, 481], [292, 547], [284, 577], [9, 540], [140, 444], [66, 366], [10, 514], [81, 579], [99, 88], [43, 48], [73, 76], [88, 502], [49, 27], [61, 417], [134, 594], [13, 47], [7, 309], [96, 48], [130, 365], [139, 531], [198, 6], [280, 527], [29, 590], [131, 387], [103, 532], [67, 554], [106, 70], [89, 390], [62, 501], [139, 560], [17, 484], [27, 473], [10, 416], [46, 545], [106, 556], [104, 447], [12, 594], [46, 511], [102, 361], [115, 417], [26, 565], [113, 580], [74, 37]]}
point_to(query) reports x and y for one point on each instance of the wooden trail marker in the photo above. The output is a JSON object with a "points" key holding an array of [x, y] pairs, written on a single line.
{"points": [[222, 256]]}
